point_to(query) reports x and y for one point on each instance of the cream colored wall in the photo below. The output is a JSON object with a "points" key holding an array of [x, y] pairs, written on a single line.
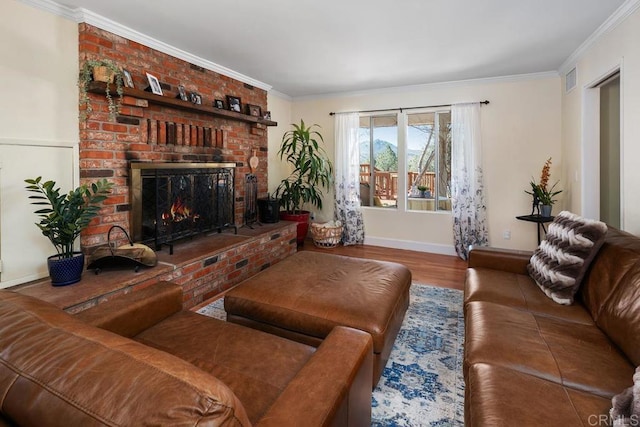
{"points": [[521, 129], [620, 47], [39, 122], [280, 108]]}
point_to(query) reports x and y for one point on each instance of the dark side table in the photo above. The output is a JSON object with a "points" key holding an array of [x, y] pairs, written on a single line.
{"points": [[538, 219]]}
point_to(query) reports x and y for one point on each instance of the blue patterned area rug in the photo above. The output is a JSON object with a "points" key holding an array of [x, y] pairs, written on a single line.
{"points": [[422, 384]]}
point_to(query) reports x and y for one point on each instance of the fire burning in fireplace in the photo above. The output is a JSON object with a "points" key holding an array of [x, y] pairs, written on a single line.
{"points": [[179, 212], [172, 201]]}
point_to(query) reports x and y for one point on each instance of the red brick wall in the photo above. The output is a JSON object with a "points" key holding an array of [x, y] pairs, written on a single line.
{"points": [[108, 147]]}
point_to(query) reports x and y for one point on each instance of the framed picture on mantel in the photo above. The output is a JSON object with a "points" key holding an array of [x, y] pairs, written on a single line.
{"points": [[154, 84], [254, 110], [234, 104]]}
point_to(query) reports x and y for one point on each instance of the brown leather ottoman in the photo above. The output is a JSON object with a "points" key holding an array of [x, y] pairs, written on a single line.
{"points": [[306, 295]]}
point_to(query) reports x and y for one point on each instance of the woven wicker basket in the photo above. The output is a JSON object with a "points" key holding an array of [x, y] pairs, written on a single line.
{"points": [[326, 237]]}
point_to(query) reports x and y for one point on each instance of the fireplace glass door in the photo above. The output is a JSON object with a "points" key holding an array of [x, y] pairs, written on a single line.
{"points": [[172, 201]]}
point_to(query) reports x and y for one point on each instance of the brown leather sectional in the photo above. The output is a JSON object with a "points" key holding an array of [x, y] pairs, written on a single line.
{"points": [[139, 359], [532, 362]]}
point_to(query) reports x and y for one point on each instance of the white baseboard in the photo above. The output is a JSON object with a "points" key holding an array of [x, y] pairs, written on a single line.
{"points": [[410, 245]]}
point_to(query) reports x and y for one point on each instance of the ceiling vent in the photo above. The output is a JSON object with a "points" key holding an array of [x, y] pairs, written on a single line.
{"points": [[570, 80]]}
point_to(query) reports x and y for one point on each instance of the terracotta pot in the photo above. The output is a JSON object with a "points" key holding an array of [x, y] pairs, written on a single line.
{"points": [[302, 218], [103, 74]]}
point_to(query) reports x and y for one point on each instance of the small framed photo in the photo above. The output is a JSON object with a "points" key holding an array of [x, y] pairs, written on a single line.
{"points": [[196, 98], [254, 110], [267, 115], [154, 84], [127, 79], [218, 103], [183, 93], [234, 104]]}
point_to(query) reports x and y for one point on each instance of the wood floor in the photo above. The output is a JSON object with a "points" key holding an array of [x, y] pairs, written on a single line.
{"points": [[432, 269]]}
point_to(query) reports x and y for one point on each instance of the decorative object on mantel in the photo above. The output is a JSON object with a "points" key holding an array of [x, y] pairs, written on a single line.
{"points": [[196, 98], [312, 170], [132, 255], [267, 115], [218, 103], [182, 93], [234, 103], [154, 84], [100, 70], [62, 221], [254, 110], [127, 79], [543, 196]]}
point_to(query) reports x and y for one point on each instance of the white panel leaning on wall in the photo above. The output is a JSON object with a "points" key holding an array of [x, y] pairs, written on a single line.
{"points": [[23, 249]]}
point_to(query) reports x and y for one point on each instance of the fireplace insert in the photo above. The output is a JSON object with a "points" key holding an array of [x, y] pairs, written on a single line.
{"points": [[171, 201]]}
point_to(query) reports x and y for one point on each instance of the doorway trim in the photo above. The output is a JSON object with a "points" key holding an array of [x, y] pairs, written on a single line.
{"points": [[590, 189]]}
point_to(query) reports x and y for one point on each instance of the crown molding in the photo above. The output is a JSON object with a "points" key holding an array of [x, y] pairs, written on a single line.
{"points": [[53, 7], [106, 24], [413, 88], [280, 95], [79, 15], [622, 13]]}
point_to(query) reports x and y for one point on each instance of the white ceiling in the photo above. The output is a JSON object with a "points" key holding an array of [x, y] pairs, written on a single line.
{"points": [[312, 47]]}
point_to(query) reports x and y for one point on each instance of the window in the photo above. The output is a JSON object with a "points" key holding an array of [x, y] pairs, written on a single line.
{"points": [[429, 161], [426, 146], [379, 161]]}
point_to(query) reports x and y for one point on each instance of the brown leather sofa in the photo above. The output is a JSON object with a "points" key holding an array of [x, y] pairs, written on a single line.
{"points": [[531, 362], [141, 360]]}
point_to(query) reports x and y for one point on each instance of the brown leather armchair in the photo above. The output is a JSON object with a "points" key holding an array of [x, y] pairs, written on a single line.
{"points": [[140, 359]]}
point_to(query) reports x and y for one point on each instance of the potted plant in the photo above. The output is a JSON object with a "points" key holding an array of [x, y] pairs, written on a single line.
{"points": [[542, 194], [312, 170], [100, 70], [62, 221], [424, 191]]}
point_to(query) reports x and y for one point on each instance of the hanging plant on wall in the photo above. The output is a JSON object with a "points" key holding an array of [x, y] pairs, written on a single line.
{"points": [[102, 70]]}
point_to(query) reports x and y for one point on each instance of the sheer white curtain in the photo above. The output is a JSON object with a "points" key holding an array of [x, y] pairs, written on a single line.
{"points": [[347, 165], [467, 201]]}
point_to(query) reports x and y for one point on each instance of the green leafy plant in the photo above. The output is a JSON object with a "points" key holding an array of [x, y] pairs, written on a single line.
{"points": [[66, 215], [544, 194], [87, 76], [423, 188], [312, 169]]}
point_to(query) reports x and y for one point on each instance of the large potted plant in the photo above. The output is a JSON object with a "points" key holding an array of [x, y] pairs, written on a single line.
{"points": [[312, 171], [62, 219], [100, 70]]}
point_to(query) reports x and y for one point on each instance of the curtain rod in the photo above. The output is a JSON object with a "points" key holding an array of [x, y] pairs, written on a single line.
{"points": [[485, 102]]}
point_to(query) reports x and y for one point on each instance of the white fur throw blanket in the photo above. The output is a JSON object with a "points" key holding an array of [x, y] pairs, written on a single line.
{"points": [[625, 411]]}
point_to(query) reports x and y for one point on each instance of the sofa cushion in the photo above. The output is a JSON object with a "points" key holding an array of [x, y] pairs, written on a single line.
{"points": [[620, 315], [619, 253], [518, 291], [563, 352], [561, 261], [55, 370], [500, 397], [257, 366]]}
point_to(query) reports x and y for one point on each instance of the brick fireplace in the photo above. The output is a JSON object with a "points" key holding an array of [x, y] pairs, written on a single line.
{"points": [[166, 129], [148, 131]]}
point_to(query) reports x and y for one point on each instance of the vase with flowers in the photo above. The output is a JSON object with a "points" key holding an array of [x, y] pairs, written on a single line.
{"points": [[544, 195]]}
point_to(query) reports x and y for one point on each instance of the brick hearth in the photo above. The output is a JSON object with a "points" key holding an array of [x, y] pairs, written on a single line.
{"points": [[205, 267]]}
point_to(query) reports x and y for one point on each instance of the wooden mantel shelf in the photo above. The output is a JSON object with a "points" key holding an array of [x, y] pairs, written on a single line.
{"points": [[100, 88]]}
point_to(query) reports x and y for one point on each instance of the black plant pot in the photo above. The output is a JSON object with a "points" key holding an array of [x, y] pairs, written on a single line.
{"points": [[65, 271], [269, 210]]}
